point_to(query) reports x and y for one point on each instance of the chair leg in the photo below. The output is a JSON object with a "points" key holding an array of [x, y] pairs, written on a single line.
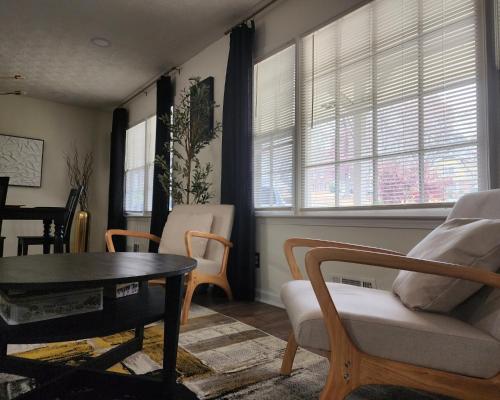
{"points": [[1, 246], [191, 286], [19, 247], [336, 387], [25, 249], [291, 350], [225, 286]]}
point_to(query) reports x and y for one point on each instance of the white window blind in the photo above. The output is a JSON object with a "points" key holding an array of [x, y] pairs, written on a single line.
{"points": [[389, 105], [274, 128], [139, 166]]}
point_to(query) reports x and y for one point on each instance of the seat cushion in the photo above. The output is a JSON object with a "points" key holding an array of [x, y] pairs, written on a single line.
{"points": [[208, 267], [178, 223], [380, 325], [465, 241]]}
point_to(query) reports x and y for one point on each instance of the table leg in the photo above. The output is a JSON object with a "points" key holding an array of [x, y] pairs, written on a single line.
{"points": [[46, 235], [58, 236], [172, 318]]}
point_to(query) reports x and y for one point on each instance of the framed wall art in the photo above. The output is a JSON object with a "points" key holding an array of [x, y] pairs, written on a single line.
{"points": [[21, 159]]}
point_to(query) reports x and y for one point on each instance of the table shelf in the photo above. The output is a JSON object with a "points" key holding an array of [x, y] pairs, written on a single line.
{"points": [[117, 315]]}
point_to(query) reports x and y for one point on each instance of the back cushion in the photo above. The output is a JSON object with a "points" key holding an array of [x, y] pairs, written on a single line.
{"points": [[463, 241], [482, 310], [173, 236]]}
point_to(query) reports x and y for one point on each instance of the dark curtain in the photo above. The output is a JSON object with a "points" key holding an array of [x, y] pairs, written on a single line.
{"points": [[116, 215], [237, 169], [159, 212]]}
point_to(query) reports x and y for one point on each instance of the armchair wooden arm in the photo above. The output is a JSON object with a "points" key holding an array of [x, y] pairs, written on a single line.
{"points": [[351, 368], [210, 236], [197, 277], [123, 232], [290, 244]]}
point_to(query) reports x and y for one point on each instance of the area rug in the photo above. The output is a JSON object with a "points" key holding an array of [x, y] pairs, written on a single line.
{"points": [[219, 358]]}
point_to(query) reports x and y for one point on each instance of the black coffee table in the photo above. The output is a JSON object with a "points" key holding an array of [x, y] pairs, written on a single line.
{"points": [[74, 271]]}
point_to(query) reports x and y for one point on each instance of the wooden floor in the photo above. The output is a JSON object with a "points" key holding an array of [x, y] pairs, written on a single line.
{"points": [[270, 319]]}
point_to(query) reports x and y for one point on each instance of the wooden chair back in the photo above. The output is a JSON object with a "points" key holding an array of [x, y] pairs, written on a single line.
{"points": [[71, 204]]}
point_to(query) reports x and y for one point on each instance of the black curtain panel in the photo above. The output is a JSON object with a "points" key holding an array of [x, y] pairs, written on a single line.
{"points": [[116, 214], [159, 214], [237, 170]]}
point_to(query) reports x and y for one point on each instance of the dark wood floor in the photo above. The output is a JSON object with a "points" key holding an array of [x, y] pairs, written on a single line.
{"points": [[270, 319]]}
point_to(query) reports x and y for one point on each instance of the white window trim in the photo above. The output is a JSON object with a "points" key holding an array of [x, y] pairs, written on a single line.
{"points": [[424, 211]]}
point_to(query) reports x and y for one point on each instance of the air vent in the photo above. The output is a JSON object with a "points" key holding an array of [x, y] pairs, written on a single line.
{"points": [[354, 281]]}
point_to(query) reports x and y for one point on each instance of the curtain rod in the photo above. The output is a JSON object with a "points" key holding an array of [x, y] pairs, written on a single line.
{"points": [[265, 6], [147, 86]]}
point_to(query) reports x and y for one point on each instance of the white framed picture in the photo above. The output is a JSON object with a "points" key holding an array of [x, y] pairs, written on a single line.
{"points": [[21, 159]]}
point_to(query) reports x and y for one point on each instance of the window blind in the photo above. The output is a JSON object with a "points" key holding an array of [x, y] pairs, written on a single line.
{"points": [[139, 165], [389, 105], [274, 128]]}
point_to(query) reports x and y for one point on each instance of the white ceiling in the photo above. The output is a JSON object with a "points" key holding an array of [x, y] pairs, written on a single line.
{"points": [[48, 42]]}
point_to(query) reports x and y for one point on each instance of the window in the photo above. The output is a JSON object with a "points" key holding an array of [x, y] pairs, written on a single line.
{"points": [[274, 128], [389, 108], [139, 166]]}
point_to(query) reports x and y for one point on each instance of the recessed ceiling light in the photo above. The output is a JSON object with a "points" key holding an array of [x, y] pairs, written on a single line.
{"points": [[100, 42]]}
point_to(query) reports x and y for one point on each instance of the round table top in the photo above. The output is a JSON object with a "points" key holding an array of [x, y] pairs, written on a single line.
{"points": [[49, 271]]}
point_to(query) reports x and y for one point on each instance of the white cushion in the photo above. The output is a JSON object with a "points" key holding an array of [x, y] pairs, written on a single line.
{"points": [[173, 236], [222, 224], [379, 324], [208, 267], [464, 241]]}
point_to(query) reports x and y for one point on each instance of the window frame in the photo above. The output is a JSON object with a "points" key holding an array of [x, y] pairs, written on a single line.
{"points": [[417, 210], [145, 213]]}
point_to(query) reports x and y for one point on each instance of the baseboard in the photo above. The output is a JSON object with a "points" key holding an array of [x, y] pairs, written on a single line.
{"points": [[265, 296]]}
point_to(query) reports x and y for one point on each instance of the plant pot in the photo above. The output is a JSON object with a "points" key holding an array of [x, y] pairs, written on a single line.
{"points": [[82, 232]]}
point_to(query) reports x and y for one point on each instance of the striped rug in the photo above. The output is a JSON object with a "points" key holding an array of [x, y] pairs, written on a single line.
{"points": [[219, 358]]}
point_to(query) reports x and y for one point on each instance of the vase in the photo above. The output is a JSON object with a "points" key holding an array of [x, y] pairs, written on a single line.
{"points": [[82, 232]]}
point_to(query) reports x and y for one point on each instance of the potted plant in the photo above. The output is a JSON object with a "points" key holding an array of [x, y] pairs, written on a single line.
{"points": [[80, 170], [191, 129]]}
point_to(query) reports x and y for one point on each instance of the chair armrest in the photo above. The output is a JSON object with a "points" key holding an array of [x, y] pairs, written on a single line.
{"points": [[122, 232], [206, 235], [291, 243]]}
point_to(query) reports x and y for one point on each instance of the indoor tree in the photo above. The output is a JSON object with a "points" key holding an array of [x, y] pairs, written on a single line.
{"points": [[191, 130]]}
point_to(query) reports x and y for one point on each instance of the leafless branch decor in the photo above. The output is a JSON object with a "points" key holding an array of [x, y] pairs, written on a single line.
{"points": [[80, 168]]}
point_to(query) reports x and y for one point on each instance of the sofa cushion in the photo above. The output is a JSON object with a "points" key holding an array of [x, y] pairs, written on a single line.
{"points": [[464, 241], [173, 236], [379, 324]]}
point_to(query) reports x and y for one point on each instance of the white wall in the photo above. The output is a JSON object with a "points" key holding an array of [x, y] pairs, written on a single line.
{"points": [[60, 126]]}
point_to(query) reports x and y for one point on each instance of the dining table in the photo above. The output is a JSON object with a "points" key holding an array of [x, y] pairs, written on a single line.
{"points": [[48, 215]]}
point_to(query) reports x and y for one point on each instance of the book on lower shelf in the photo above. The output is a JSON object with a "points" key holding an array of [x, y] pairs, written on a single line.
{"points": [[22, 307]]}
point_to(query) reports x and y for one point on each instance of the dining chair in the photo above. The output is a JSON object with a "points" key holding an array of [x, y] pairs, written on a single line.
{"points": [[23, 242], [4, 185], [373, 338], [199, 231]]}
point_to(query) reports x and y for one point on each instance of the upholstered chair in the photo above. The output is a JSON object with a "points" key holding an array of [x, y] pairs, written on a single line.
{"points": [[199, 231], [373, 338]]}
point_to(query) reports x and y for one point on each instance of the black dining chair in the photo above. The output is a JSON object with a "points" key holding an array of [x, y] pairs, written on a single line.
{"points": [[4, 185], [23, 242]]}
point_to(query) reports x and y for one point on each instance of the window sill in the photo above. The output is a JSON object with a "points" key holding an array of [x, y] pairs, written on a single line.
{"points": [[395, 213], [137, 215], [409, 218]]}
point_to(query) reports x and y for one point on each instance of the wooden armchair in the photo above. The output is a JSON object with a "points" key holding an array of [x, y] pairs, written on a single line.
{"points": [[351, 367], [212, 263], [372, 338]]}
